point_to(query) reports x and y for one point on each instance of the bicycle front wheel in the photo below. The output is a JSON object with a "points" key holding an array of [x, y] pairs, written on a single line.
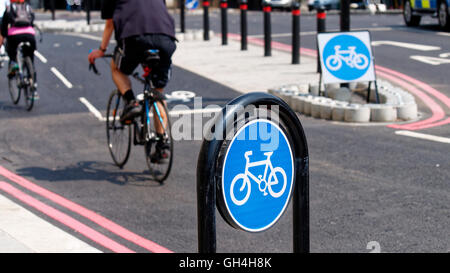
{"points": [[29, 79], [118, 134], [158, 147]]}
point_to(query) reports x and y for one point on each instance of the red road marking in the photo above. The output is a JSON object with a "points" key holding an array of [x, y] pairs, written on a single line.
{"points": [[94, 217], [65, 219]]}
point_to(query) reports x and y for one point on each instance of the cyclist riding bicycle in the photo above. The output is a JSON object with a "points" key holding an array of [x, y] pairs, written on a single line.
{"points": [[139, 25], [17, 27]]}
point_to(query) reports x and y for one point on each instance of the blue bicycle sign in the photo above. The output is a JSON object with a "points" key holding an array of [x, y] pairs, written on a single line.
{"points": [[346, 57], [257, 182], [191, 4]]}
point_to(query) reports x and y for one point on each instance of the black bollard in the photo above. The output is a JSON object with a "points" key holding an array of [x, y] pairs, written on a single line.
{"points": [[88, 11], [182, 20], [243, 7], [223, 12], [267, 9], [206, 20], [295, 32], [52, 7], [321, 17], [345, 23]]}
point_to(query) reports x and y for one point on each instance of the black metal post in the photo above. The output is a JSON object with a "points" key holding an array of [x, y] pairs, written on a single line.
{"points": [[52, 7], [182, 19], [88, 11], [295, 32], [267, 9], [345, 15], [243, 7], [207, 170], [223, 13], [206, 20], [345, 23], [321, 26]]}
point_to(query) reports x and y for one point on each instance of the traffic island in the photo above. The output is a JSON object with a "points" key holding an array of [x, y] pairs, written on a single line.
{"points": [[348, 104]]}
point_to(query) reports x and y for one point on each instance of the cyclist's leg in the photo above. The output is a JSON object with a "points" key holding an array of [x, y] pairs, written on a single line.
{"points": [[122, 65], [161, 74], [29, 52]]}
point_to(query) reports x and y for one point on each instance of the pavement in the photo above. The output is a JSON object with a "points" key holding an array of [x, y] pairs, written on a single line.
{"points": [[22, 231]]}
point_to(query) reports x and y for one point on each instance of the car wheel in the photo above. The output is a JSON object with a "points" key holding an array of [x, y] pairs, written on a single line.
{"points": [[443, 16], [410, 19]]}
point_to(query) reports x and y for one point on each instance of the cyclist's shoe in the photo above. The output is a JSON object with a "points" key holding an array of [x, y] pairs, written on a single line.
{"points": [[13, 67], [34, 86], [131, 110], [160, 152]]}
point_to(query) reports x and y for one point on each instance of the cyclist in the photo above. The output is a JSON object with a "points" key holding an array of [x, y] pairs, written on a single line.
{"points": [[17, 27], [138, 25]]}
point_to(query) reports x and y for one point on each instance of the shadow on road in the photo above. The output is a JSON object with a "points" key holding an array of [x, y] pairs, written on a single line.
{"points": [[90, 171]]}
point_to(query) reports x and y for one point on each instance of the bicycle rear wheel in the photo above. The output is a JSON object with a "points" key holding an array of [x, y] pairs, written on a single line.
{"points": [[118, 135], [29, 79], [14, 85], [159, 150]]}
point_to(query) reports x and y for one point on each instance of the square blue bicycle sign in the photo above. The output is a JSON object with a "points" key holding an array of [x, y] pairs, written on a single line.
{"points": [[346, 57]]}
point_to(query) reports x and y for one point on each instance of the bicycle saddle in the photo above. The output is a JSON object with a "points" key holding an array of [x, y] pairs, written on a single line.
{"points": [[151, 58]]}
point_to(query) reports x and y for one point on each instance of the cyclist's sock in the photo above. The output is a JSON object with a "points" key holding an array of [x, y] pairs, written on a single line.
{"points": [[129, 96]]}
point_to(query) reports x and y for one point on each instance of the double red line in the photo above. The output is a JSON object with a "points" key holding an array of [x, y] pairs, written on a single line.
{"points": [[70, 221]]}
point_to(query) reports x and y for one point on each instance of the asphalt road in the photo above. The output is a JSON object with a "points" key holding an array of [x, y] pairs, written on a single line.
{"points": [[367, 184]]}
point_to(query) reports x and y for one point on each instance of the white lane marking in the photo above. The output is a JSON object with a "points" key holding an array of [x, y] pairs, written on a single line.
{"points": [[424, 136], [40, 57], [86, 36], [61, 77], [92, 109], [406, 45], [20, 228], [443, 33], [175, 113], [430, 60]]}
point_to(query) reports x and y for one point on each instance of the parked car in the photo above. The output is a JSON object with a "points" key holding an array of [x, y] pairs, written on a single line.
{"points": [[280, 4], [327, 4], [413, 10]]}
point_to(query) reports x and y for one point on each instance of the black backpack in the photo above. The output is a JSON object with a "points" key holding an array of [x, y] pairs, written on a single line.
{"points": [[21, 15]]}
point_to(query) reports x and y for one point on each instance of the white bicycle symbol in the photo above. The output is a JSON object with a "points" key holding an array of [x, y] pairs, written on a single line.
{"points": [[263, 183], [349, 56]]}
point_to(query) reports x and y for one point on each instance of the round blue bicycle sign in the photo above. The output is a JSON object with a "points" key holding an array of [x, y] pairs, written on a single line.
{"points": [[346, 57], [257, 176]]}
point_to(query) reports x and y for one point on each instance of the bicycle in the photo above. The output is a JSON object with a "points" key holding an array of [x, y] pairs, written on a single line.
{"points": [[353, 60], [264, 184], [158, 152], [25, 77]]}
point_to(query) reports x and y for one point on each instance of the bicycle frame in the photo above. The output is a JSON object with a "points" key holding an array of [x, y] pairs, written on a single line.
{"points": [[351, 54], [268, 167]]}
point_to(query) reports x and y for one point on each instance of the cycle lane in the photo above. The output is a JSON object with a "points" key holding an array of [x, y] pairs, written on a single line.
{"points": [[89, 168]]}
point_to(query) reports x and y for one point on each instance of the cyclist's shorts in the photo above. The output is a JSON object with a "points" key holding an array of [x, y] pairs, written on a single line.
{"points": [[130, 52], [12, 42]]}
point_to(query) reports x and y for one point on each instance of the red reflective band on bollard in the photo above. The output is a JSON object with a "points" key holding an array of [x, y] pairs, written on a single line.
{"points": [[296, 12], [321, 15], [267, 9], [243, 6], [224, 5], [206, 4]]}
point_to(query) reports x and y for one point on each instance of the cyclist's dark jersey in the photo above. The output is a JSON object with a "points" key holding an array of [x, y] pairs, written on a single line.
{"points": [[138, 17]]}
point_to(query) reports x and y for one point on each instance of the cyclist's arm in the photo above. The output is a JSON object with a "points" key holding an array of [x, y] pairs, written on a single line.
{"points": [[107, 33]]}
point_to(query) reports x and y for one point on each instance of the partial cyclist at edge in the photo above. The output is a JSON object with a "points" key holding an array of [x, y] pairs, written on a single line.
{"points": [[138, 25], [18, 27]]}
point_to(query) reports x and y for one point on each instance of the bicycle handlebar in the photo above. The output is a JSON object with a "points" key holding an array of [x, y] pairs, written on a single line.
{"points": [[93, 67]]}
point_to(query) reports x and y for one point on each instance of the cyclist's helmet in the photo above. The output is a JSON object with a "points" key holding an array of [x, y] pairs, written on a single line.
{"points": [[17, 1]]}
